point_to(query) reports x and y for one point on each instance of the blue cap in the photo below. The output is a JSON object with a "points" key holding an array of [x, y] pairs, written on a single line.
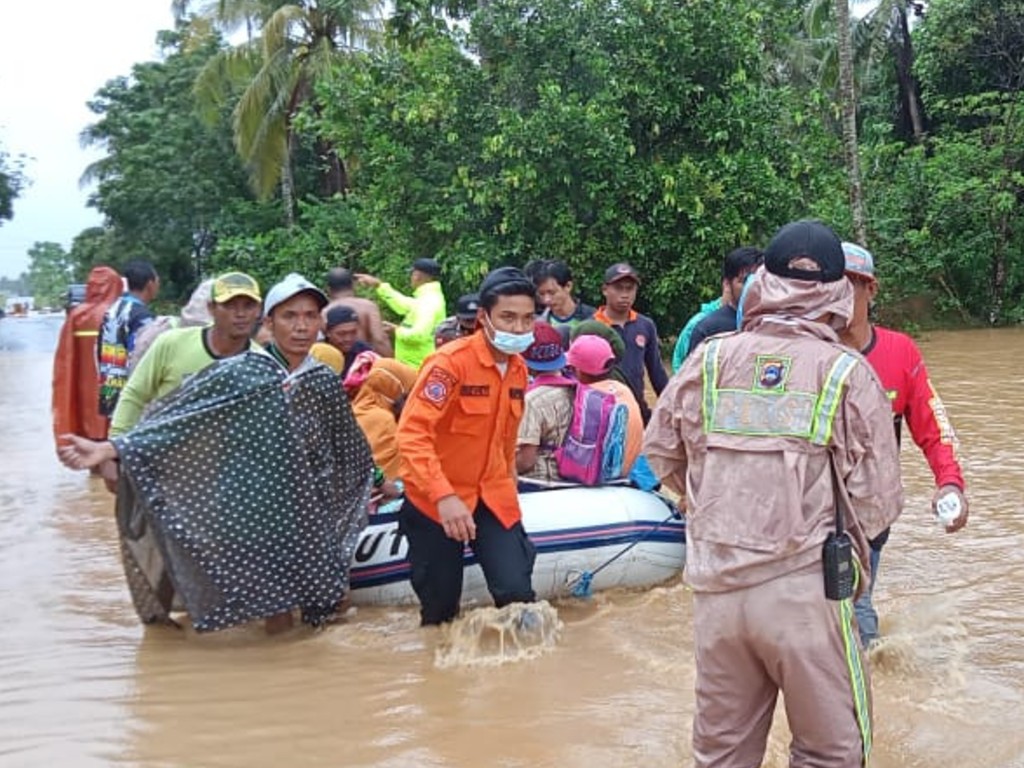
{"points": [[859, 261]]}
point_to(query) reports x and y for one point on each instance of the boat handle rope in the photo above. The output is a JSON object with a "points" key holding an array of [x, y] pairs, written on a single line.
{"points": [[580, 586]]}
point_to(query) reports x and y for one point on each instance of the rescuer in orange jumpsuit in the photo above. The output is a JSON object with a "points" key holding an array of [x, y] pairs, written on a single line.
{"points": [[75, 378]]}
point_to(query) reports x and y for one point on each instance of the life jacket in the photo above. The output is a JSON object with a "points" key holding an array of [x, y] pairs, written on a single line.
{"points": [[594, 447]]}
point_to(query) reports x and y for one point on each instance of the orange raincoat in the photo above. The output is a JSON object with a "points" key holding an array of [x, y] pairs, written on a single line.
{"points": [[75, 378], [374, 409]]}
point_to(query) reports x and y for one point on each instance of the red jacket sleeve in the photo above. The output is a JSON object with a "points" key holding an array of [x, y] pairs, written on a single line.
{"points": [[929, 423]]}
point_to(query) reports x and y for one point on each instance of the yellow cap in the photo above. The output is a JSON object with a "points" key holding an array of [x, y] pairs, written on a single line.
{"points": [[232, 284]]}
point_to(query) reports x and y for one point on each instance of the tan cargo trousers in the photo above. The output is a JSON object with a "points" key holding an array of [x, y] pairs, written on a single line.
{"points": [[782, 635]]}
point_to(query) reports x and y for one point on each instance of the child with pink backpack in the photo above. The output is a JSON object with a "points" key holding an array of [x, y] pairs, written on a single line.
{"points": [[585, 430]]}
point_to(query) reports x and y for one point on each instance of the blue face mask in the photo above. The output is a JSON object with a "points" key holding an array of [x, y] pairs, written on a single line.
{"points": [[509, 343]]}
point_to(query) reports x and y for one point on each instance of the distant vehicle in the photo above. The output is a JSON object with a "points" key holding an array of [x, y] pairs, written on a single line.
{"points": [[19, 306], [74, 296]]}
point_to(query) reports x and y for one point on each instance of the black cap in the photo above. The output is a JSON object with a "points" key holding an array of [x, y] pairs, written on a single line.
{"points": [[806, 239], [467, 306], [427, 267], [620, 271], [502, 276], [341, 314]]}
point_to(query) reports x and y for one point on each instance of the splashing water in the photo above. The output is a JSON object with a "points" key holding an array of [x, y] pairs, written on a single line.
{"points": [[926, 640], [494, 636]]}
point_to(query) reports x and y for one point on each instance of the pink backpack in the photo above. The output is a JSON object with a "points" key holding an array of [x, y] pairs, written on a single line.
{"points": [[594, 446]]}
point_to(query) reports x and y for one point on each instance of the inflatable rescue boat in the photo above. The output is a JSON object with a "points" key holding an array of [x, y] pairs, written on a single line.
{"points": [[612, 536]]}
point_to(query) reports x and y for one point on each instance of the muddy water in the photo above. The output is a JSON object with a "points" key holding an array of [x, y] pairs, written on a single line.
{"points": [[81, 683]]}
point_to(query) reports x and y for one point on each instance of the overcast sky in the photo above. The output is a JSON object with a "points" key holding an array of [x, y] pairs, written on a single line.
{"points": [[53, 59]]}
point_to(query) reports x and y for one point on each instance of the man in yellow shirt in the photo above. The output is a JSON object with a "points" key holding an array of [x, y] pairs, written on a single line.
{"points": [[181, 352], [421, 313]]}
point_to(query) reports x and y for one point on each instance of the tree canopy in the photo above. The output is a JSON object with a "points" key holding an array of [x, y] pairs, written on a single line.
{"points": [[275, 73], [168, 178], [49, 273], [12, 180], [494, 132]]}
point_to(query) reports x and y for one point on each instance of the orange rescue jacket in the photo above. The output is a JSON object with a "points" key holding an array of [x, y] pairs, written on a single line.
{"points": [[458, 430]]}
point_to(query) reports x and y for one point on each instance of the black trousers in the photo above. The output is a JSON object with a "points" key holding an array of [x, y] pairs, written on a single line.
{"points": [[506, 556]]}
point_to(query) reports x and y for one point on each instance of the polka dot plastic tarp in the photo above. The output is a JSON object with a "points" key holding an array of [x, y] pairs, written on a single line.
{"points": [[252, 486]]}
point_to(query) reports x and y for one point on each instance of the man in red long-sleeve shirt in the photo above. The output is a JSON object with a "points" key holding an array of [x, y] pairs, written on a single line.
{"points": [[899, 364]]}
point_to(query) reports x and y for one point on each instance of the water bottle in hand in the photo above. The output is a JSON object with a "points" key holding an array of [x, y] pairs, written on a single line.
{"points": [[948, 508]]}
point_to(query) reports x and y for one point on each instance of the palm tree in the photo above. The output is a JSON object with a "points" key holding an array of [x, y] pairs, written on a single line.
{"points": [[848, 106], [898, 25], [827, 56], [289, 46], [883, 28]]}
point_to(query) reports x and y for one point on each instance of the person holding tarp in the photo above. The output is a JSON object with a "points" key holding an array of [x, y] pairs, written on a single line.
{"points": [[253, 482], [232, 305]]}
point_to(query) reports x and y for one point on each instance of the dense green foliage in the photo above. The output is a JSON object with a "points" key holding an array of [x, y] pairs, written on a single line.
{"points": [[653, 137], [168, 178], [11, 181], [275, 73], [49, 272], [947, 213], [663, 133]]}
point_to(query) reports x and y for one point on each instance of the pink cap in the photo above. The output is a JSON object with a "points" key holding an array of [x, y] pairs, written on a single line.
{"points": [[591, 355]]}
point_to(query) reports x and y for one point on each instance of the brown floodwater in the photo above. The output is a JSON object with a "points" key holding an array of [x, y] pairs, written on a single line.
{"points": [[82, 683]]}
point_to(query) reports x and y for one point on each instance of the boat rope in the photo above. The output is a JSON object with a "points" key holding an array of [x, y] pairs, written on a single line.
{"points": [[579, 582]]}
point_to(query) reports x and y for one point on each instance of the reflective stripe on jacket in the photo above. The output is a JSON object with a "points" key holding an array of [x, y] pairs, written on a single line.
{"points": [[421, 313], [747, 427]]}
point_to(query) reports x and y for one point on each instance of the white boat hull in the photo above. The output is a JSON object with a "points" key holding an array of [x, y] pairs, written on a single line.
{"points": [[574, 530]]}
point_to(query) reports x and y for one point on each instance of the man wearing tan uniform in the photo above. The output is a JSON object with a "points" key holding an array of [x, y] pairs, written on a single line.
{"points": [[747, 430]]}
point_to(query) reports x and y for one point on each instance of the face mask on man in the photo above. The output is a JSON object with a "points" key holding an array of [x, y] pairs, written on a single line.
{"points": [[508, 343]]}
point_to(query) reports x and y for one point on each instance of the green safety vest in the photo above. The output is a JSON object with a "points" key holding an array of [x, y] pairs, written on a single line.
{"points": [[769, 408]]}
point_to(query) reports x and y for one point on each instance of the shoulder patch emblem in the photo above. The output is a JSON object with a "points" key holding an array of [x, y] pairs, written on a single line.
{"points": [[438, 387], [771, 372]]}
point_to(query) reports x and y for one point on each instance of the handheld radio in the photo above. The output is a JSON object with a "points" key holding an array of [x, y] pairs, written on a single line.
{"points": [[837, 553]]}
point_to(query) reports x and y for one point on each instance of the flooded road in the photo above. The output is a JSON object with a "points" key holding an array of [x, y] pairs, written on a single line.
{"points": [[83, 683]]}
